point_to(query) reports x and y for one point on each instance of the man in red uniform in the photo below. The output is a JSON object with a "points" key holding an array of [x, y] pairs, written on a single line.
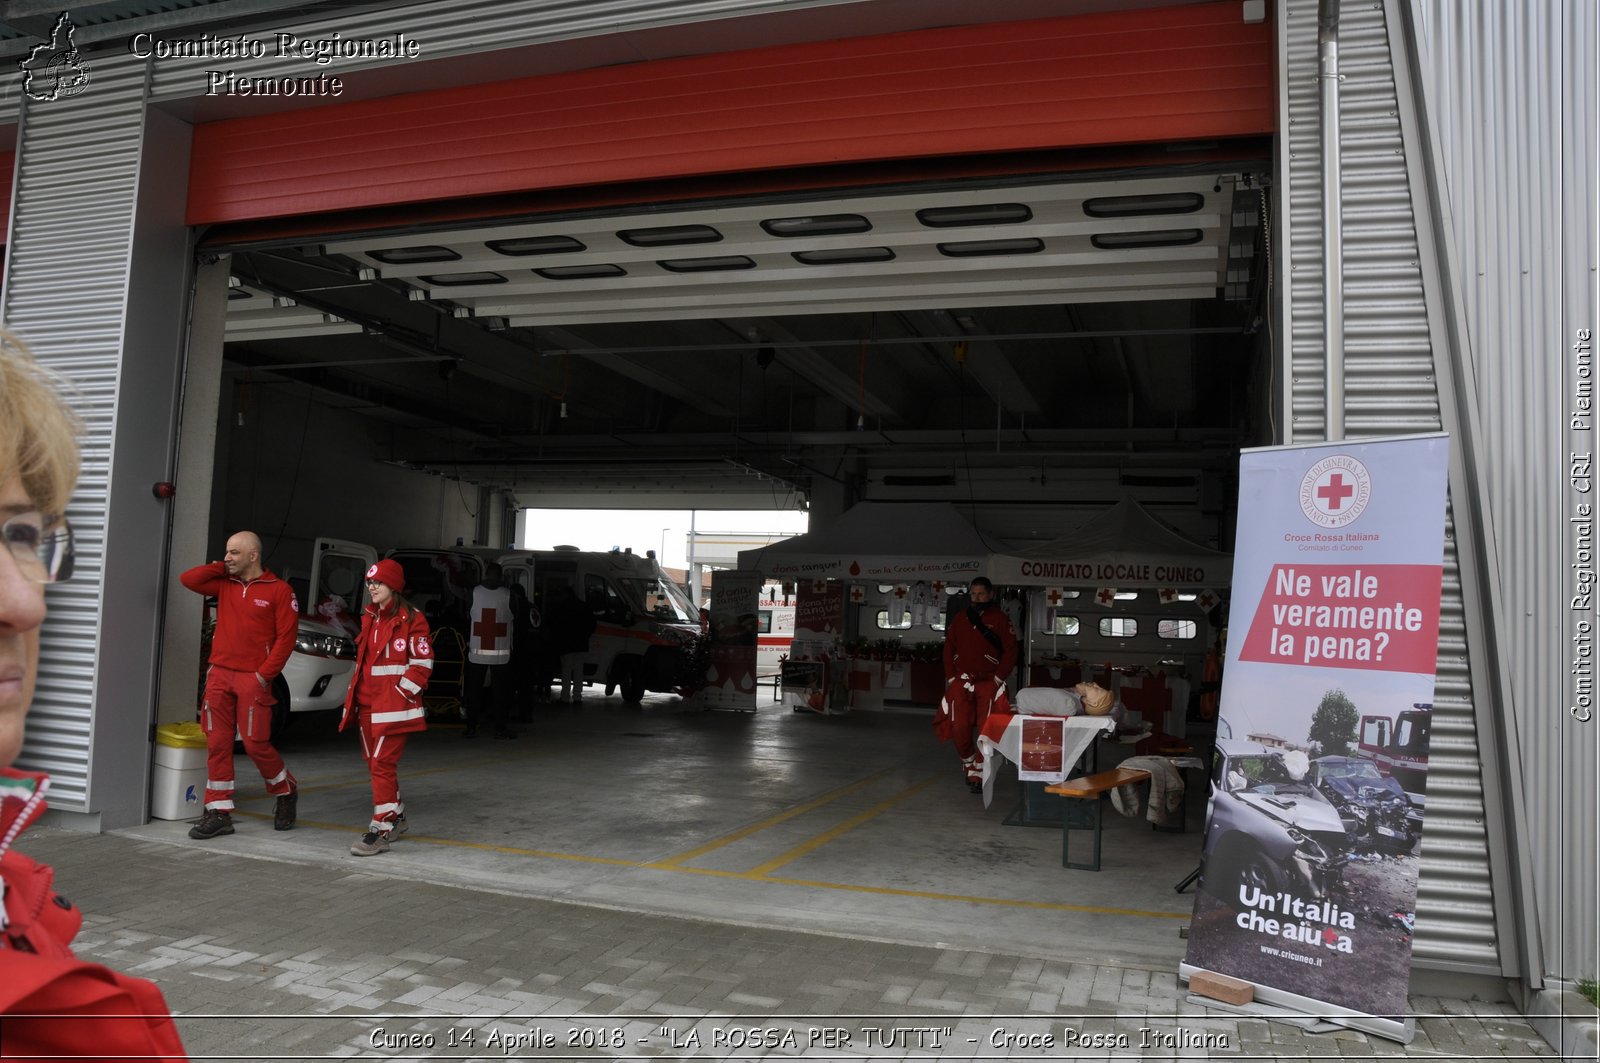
{"points": [[980, 652], [257, 620]]}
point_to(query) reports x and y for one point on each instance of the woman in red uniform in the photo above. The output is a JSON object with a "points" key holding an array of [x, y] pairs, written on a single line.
{"points": [[393, 664], [52, 1004]]}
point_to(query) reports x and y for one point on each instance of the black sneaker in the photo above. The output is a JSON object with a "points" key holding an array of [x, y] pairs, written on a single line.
{"points": [[283, 812], [212, 824]]}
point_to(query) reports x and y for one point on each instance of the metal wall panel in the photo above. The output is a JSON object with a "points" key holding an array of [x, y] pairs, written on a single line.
{"points": [[1511, 90], [66, 283], [1389, 390]]}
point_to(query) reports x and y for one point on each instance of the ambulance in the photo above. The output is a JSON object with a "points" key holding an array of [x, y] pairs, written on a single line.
{"points": [[644, 623], [776, 631]]}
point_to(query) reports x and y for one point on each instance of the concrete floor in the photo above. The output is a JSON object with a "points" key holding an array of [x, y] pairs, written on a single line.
{"points": [[856, 825]]}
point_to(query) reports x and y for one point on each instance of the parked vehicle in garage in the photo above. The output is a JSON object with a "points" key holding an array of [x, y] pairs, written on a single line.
{"points": [[315, 677], [1268, 829], [1375, 811], [776, 632], [645, 622]]}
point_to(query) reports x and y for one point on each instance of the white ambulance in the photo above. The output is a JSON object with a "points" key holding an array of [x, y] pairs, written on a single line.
{"points": [[644, 621], [776, 632]]}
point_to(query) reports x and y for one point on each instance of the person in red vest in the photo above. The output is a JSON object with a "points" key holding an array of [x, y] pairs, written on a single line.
{"points": [[257, 621], [394, 661], [52, 1004], [980, 653]]}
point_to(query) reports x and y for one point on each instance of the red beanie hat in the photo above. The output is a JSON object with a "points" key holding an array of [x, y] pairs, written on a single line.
{"points": [[389, 573]]}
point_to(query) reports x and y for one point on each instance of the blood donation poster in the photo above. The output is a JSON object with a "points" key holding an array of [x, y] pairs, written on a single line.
{"points": [[1310, 860], [730, 679]]}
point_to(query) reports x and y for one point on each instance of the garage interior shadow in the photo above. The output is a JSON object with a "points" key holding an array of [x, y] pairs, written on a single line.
{"points": [[857, 825]]}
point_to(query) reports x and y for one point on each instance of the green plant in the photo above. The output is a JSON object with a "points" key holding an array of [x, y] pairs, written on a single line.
{"points": [[1590, 989]]}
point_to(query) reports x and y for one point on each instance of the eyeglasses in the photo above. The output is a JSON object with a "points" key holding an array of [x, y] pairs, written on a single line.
{"points": [[41, 544]]}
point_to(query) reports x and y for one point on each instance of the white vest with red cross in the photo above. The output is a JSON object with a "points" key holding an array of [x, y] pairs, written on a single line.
{"points": [[489, 631]]}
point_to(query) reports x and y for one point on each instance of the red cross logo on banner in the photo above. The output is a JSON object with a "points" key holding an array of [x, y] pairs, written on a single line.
{"points": [[857, 594], [901, 592], [819, 586], [1105, 595], [1334, 492], [1053, 596], [1168, 595], [1207, 600], [487, 630], [938, 586]]}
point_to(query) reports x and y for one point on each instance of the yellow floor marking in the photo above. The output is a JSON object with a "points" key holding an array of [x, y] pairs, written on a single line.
{"points": [[751, 876], [850, 824], [771, 821]]}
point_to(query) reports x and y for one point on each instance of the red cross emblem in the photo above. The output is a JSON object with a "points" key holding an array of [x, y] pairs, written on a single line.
{"points": [[1335, 491], [1168, 595], [819, 586], [857, 594], [1206, 601], [1053, 596], [1106, 595], [487, 630], [901, 592], [938, 586]]}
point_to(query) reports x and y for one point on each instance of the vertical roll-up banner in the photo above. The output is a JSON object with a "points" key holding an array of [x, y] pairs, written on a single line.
{"points": [[730, 679], [1310, 860]]}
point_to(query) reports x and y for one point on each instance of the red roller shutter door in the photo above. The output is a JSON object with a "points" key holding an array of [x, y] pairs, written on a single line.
{"points": [[1187, 73]]}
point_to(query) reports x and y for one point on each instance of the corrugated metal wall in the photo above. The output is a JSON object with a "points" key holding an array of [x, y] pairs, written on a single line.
{"points": [[1511, 91], [66, 286], [1389, 390]]}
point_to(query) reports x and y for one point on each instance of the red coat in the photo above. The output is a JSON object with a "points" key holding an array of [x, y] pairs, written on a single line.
{"points": [[256, 622], [110, 1015], [394, 661], [966, 652]]}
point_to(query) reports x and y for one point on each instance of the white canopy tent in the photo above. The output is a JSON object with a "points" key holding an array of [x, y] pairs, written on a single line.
{"points": [[1124, 547], [892, 542]]}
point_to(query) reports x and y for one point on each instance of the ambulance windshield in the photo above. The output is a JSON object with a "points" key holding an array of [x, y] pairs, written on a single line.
{"points": [[660, 599]]}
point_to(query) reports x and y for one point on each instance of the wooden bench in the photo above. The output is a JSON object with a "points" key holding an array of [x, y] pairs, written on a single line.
{"points": [[1091, 787]]}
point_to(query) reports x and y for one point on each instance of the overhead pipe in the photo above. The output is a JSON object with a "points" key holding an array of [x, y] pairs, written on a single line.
{"points": [[1332, 220]]}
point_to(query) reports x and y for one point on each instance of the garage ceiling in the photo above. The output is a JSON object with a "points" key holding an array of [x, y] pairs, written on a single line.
{"points": [[732, 354]]}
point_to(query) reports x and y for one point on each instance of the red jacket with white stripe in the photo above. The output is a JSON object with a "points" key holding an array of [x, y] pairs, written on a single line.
{"points": [[103, 1014], [257, 622], [394, 662]]}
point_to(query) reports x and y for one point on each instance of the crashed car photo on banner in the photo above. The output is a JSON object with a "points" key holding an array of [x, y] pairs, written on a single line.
{"points": [[1376, 812]]}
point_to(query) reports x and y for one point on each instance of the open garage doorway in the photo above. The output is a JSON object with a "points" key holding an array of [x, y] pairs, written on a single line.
{"points": [[1033, 351]]}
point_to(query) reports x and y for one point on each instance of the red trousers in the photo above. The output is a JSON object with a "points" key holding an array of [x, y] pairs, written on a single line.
{"points": [[237, 700], [965, 706], [382, 753]]}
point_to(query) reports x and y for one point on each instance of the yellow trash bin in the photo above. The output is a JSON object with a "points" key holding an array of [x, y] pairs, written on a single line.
{"points": [[178, 779]]}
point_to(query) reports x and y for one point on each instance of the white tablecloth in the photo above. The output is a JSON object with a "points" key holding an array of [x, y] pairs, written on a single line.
{"points": [[1001, 736]]}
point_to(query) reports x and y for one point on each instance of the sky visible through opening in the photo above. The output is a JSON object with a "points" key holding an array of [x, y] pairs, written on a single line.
{"points": [[665, 531]]}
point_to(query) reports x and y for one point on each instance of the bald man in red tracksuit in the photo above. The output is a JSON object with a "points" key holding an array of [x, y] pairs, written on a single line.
{"points": [[980, 652], [257, 622]]}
